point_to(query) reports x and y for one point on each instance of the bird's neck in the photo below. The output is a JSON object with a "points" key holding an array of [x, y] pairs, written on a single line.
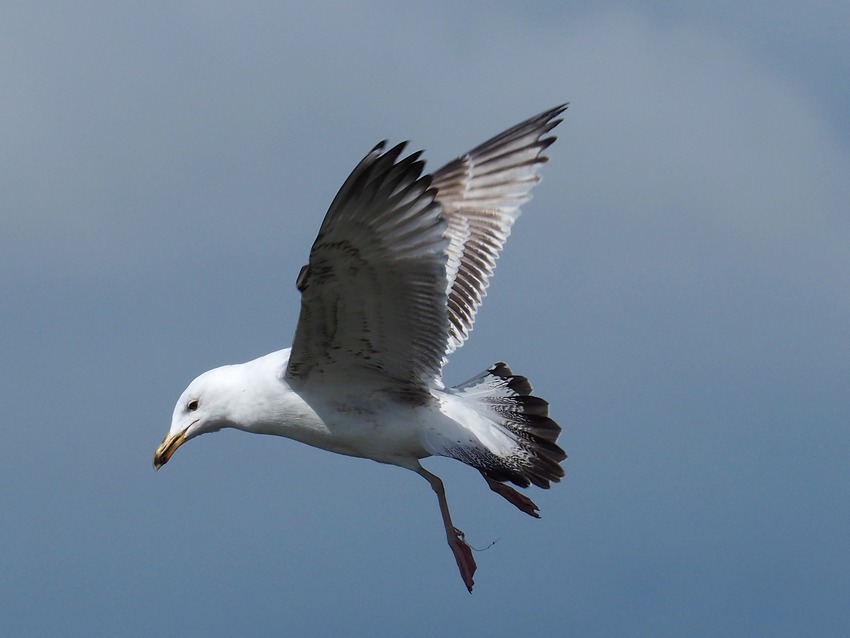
{"points": [[264, 403]]}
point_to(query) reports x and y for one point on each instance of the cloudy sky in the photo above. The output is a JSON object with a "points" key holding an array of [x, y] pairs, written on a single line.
{"points": [[678, 289]]}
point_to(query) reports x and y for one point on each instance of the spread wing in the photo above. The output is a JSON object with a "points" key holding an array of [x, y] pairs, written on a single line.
{"points": [[402, 261], [481, 194], [373, 295]]}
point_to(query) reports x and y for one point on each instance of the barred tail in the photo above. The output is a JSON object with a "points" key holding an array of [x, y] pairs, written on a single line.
{"points": [[520, 446]]}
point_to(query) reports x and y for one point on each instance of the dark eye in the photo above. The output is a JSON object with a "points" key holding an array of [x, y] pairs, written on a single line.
{"points": [[192, 405]]}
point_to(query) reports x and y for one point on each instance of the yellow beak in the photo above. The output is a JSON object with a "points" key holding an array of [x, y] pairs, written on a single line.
{"points": [[168, 446]]}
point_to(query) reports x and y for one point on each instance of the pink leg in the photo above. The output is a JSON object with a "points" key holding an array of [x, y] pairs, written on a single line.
{"points": [[522, 502], [462, 551]]}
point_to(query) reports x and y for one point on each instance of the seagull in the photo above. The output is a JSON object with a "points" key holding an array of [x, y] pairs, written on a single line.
{"points": [[394, 281]]}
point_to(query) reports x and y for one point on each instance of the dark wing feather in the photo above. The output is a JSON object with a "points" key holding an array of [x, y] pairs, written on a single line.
{"points": [[402, 261], [374, 291], [481, 194]]}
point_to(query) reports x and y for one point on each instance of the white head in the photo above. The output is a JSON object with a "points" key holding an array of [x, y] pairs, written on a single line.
{"points": [[205, 406]]}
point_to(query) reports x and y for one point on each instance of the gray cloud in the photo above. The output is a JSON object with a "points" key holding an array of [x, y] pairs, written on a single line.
{"points": [[677, 290]]}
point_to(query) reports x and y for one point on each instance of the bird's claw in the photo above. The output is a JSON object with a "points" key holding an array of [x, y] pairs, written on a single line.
{"points": [[463, 557]]}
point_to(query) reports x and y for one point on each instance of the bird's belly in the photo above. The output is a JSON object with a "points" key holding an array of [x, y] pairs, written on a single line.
{"points": [[383, 431]]}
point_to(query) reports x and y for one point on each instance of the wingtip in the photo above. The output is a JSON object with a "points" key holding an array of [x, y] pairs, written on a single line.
{"points": [[551, 117], [380, 146]]}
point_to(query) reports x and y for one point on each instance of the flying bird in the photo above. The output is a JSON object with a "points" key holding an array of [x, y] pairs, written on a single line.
{"points": [[394, 281]]}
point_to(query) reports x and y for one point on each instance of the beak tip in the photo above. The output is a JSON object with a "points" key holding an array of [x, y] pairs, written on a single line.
{"points": [[166, 449]]}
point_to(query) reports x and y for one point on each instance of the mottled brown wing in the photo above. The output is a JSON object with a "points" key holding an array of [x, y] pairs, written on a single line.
{"points": [[374, 291]]}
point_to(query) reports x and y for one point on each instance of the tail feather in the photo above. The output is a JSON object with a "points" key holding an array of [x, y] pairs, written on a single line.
{"points": [[506, 400]]}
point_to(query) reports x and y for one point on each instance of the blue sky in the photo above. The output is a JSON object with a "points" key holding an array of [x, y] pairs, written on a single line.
{"points": [[677, 289]]}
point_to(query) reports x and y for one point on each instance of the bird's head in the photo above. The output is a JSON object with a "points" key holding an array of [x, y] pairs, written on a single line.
{"points": [[203, 407]]}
